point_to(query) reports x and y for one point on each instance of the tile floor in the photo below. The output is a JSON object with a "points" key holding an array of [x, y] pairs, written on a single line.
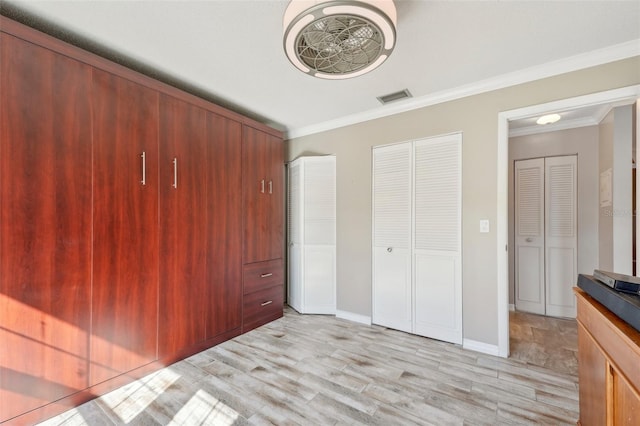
{"points": [[321, 370]]}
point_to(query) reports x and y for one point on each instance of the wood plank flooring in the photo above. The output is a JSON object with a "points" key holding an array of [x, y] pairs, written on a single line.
{"points": [[311, 369]]}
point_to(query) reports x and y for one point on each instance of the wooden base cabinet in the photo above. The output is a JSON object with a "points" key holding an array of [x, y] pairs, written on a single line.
{"points": [[263, 243], [608, 366], [122, 238]]}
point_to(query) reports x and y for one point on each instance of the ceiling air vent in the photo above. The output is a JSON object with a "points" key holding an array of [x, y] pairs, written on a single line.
{"points": [[396, 96]]}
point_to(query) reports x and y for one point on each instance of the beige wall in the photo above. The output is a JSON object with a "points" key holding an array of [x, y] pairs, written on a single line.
{"points": [[584, 142], [476, 117]]}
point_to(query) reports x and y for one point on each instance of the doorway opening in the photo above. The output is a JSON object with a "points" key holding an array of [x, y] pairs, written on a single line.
{"points": [[505, 119]]}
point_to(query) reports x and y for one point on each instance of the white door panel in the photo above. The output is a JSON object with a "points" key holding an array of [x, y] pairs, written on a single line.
{"points": [[529, 235], [320, 269], [392, 288], [529, 277], [560, 280], [561, 235], [437, 290]]}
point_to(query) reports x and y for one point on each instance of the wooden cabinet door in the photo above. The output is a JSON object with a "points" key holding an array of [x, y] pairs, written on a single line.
{"points": [[125, 230], [592, 376], [262, 168], [184, 231], [276, 198], [45, 226], [224, 311]]}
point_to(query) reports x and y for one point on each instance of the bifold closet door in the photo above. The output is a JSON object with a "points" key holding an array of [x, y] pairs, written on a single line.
{"points": [[546, 235], [529, 235], [437, 238], [392, 192], [561, 242]]}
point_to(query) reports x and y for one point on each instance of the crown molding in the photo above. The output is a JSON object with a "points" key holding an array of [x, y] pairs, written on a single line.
{"points": [[560, 125], [573, 63]]}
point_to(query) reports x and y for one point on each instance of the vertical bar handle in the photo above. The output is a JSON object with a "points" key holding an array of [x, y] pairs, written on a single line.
{"points": [[175, 173], [270, 187], [144, 168], [262, 186]]}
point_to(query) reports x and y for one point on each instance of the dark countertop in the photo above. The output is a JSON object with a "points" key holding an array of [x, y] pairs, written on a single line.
{"points": [[626, 306]]}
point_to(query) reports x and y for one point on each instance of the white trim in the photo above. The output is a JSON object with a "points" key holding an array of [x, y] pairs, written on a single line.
{"points": [[615, 95], [560, 125], [485, 348], [512, 307], [573, 63], [350, 316]]}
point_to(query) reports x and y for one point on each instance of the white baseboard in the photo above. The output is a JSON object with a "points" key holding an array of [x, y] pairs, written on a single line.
{"points": [[482, 347], [362, 319], [512, 307]]}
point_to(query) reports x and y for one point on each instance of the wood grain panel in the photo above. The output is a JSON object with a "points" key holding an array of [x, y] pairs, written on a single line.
{"points": [[263, 195], [184, 226], [592, 377], [224, 311], [261, 275], [626, 410], [261, 307], [45, 225], [125, 217]]}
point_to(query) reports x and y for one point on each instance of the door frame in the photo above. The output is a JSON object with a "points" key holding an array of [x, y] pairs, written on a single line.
{"points": [[502, 234]]}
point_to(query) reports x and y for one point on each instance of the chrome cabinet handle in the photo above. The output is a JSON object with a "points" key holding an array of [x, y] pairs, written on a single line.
{"points": [[175, 173], [266, 275], [529, 239], [270, 187], [390, 249], [268, 302], [144, 168], [262, 186]]}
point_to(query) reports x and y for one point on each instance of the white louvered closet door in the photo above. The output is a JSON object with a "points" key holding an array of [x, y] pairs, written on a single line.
{"points": [[529, 235], [561, 235], [295, 219], [392, 189], [319, 251], [437, 238]]}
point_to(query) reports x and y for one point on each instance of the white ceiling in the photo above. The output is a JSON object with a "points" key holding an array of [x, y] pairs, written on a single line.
{"points": [[232, 50]]}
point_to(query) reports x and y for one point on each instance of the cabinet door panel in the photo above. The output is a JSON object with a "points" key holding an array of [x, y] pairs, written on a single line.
{"points": [[255, 154], [593, 380], [225, 205], [45, 226], [275, 242], [184, 233], [263, 198], [125, 217]]}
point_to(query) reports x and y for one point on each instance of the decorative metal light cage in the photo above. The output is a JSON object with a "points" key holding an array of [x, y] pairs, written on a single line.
{"points": [[339, 39]]}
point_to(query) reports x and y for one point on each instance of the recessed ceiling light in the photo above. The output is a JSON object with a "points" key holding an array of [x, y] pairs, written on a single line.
{"points": [[548, 119], [337, 39]]}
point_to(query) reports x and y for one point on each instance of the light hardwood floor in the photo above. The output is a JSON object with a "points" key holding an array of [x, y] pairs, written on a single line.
{"points": [[321, 370]]}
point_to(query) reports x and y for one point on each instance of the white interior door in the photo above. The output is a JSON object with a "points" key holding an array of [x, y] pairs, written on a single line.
{"points": [[437, 237], [561, 250], [294, 290], [392, 236], [529, 236], [319, 236]]}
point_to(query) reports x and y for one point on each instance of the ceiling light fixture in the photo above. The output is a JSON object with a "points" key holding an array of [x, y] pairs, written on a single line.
{"points": [[548, 119], [339, 39]]}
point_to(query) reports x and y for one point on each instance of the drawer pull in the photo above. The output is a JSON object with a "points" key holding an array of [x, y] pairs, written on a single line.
{"points": [[268, 302], [266, 275]]}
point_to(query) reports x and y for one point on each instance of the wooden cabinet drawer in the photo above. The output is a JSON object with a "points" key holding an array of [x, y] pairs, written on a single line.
{"points": [[261, 275], [261, 307]]}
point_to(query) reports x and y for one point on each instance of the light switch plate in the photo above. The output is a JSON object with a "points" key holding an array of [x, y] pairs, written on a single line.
{"points": [[484, 225]]}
